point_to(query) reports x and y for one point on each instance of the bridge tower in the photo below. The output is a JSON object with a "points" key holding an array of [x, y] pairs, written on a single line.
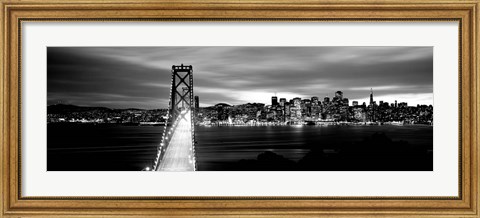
{"points": [[181, 93], [176, 151]]}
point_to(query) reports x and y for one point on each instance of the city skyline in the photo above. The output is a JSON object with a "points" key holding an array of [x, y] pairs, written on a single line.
{"points": [[139, 77], [197, 102]]}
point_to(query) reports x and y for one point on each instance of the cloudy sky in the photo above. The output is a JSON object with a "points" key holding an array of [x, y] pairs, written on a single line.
{"points": [[139, 77]]}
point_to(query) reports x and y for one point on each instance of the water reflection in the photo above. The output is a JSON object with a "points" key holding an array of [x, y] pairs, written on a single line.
{"points": [[110, 147]]}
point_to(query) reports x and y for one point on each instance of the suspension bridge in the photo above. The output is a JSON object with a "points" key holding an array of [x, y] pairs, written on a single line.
{"points": [[176, 151]]}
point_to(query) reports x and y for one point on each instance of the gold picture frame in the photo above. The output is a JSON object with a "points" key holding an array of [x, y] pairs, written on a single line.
{"points": [[15, 12]]}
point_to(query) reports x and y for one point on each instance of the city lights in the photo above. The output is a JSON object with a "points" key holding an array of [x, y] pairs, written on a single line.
{"points": [[178, 144], [313, 111]]}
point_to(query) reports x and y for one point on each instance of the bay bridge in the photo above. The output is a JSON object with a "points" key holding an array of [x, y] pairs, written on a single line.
{"points": [[176, 152]]}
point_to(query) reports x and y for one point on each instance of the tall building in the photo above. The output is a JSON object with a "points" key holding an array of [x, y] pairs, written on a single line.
{"points": [[197, 102], [326, 99], [274, 100], [371, 96], [287, 109], [197, 106], [315, 108], [296, 109], [372, 107], [283, 102], [306, 107], [297, 101], [339, 95]]}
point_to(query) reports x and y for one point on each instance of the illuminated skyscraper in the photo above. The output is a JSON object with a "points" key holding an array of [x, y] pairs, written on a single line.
{"points": [[283, 103], [297, 101], [296, 109]]}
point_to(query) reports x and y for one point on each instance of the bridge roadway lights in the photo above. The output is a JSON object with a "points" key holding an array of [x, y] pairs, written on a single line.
{"points": [[181, 75], [179, 155]]}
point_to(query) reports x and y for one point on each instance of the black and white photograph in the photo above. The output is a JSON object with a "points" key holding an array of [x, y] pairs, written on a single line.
{"points": [[240, 108]]}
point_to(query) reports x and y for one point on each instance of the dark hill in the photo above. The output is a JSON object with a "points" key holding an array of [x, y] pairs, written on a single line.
{"points": [[68, 108]]}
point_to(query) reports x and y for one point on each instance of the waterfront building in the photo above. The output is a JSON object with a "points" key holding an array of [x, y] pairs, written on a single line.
{"points": [[296, 110], [287, 109], [306, 107], [359, 114]]}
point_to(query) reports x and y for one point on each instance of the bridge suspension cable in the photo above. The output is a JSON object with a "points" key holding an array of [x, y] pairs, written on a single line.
{"points": [[176, 151]]}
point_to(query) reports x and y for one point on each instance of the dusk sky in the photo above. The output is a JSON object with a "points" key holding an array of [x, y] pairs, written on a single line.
{"points": [[139, 77]]}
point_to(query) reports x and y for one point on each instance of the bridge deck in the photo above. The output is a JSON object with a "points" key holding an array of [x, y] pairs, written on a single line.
{"points": [[179, 153]]}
